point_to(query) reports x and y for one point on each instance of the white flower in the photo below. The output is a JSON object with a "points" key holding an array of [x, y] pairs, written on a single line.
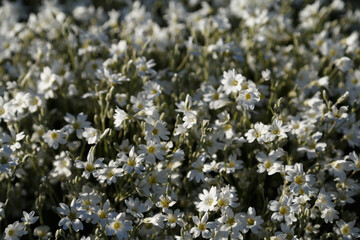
{"points": [[339, 167], [338, 114], [119, 227], [247, 98], [152, 89], [266, 74], [250, 221], [269, 163], [208, 200], [189, 119], [6, 159], [62, 166], [300, 181], [72, 216], [230, 223], [48, 83], [112, 78], [344, 64], [120, 99], [15, 231], [232, 81], [258, 132], [109, 173], [89, 166], [174, 218], [216, 98], [54, 137], [156, 220], [356, 159], [231, 165], [137, 208], [120, 116], [152, 150], [324, 200], [13, 140], [133, 163], [287, 232], [91, 135], [165, 202], [102, 215], [347, 230], [284, 210], [145, 67], [227, 197], [202, 226], [329, 214], [312, 146], [157, 131], [277, 129], [29, 218], [118, 50], [77, 124], [197, 169], [42, 232]]}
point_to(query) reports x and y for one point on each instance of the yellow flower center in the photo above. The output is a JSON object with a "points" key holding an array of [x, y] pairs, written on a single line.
{"points": [[117, 225], [276, 131], [143, 68], [231, 164], [89, 167], [202, 226], [248, 96], [34, 101], [165, 203], [152, 180], [299, 179], [11, 233], [41, 233], [283, 210], [54, 135], [312, 145], [345, 230], [76, 125], [110, 174], [222, 202], [171, 218], [267, 164], [230, 221], [250, 221], [131, 162], [102, 214], [227, 126], [155, 131], [257, 134], [209, 201], [332, 52], [151, 149], [235, 82]]}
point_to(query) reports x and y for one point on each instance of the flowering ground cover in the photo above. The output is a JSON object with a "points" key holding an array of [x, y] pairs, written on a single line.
{"points": [[234, 119]]}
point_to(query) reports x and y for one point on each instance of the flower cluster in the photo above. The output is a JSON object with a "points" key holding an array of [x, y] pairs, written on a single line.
{"points": [[235, 119]]}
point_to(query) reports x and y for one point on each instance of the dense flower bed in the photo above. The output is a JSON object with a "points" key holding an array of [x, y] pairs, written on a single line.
{"points": [[180, 120]]}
